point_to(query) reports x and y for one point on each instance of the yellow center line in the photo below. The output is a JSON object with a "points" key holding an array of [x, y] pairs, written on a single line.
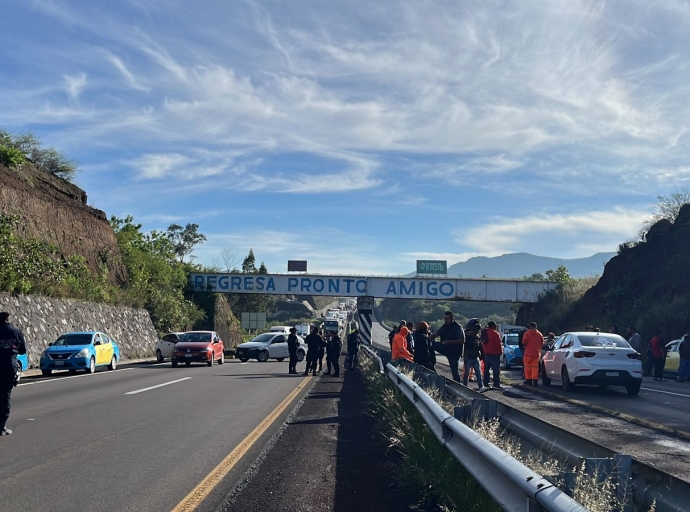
{"points": [[201, 491]]}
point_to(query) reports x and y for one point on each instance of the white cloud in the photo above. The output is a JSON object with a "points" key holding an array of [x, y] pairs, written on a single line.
{"points": [[75, 84], [575, 234], [156, 166], [131, 80]]}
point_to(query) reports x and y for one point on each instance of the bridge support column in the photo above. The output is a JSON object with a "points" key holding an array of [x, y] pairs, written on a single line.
{"points": [[365, 310]]}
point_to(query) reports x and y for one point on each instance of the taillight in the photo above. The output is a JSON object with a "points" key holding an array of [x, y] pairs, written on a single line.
{"points": [[635, 356], [583, 353]]}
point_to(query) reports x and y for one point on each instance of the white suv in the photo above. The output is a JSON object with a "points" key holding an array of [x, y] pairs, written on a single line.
{"points": [[165, 345], [269, 345]]}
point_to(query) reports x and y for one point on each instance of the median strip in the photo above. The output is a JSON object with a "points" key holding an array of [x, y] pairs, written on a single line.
{"points": [[157, 386], [201, 491]]}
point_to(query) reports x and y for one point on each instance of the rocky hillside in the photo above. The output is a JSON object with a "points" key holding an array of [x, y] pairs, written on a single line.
{"points": [[647, 284], [55, 211]]}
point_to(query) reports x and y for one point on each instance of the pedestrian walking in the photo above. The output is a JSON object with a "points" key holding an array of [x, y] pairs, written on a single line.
{"points": [[399, 346], [333, 350], [472, 353], [12, 344], [314, 343], [684, 352], [292, 343], [353, 341], [424, 354], [532, 340], [658, 348], [492, 348], [452, 339]]}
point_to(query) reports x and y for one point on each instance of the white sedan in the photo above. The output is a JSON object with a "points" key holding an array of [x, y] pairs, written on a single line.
{"points": [[165, 346], [270, 345], [592, 358]]}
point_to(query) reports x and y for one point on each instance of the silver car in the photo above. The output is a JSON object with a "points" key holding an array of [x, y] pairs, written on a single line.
{"points": [[165, 345]]}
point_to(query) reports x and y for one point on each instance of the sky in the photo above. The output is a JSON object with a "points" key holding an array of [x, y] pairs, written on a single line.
{"points": [[361, 135]]}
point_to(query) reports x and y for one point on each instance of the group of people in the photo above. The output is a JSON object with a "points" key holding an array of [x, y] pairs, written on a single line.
{"points": [[319, 345], [416, 343]]}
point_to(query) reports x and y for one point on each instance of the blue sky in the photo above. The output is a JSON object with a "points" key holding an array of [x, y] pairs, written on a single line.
{"points": [[361, 136]]}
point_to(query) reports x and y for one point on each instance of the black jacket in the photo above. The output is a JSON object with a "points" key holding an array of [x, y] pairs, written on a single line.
{"points": [[423, 349], [314, 342], [472, 346], [334, 346], [12, 343], [352, 342], [292, 342]]}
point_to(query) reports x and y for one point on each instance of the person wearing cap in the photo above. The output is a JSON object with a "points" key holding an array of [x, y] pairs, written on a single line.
{"points": [[314, 343], [452, 338], [12, 343], [353, 341], [292, 343], [333, 350], [533, 341]]}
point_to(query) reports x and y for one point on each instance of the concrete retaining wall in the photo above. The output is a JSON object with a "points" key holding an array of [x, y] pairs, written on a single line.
{"points": [[44, 319]]}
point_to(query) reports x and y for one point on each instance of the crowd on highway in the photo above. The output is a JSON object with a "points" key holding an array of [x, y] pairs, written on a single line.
{"points": [[586, 357]]}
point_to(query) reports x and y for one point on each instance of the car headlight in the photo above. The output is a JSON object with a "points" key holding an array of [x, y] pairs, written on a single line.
{"points": [[83, 353], [44, 354]]}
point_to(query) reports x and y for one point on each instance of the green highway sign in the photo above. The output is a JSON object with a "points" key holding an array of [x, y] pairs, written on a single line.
{"points": [[432, 267]]}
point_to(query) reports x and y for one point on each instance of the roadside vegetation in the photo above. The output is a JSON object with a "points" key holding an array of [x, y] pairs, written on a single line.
{"points": [[21, 148]]}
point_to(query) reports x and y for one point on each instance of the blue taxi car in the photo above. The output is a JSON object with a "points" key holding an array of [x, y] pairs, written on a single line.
{"points": [[512, 354], [80, 351], [23, 360]]}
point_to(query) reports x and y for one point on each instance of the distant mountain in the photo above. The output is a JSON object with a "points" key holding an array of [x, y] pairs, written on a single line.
{"points": [[517, 265]]}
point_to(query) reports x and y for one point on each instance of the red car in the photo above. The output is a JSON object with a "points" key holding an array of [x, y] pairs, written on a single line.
{"points": [[198, 347]]}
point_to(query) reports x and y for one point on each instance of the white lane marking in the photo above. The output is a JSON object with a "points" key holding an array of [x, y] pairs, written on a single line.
{"points": [[666, 392], [58, 379], [157, 386]]}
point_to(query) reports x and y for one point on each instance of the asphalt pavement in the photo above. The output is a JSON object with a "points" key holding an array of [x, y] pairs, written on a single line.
{"points": [[138, 438]]}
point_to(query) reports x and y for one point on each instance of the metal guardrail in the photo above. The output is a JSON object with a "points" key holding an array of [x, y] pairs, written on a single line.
{"points": [[643, 483], [514, 486], [370, 352]]}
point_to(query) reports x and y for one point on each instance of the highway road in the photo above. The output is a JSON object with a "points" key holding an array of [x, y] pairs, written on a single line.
{"points": [[141, 437]]}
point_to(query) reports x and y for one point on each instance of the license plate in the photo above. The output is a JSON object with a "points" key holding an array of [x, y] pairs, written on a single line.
{"points": [[612, 374], [190, 355], [59, 363]]}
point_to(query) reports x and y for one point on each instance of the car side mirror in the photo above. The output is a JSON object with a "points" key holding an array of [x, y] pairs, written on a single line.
{"points": [[50, 344]]}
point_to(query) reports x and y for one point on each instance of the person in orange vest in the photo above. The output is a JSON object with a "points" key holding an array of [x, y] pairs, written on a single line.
{"points": [[532, 340], [399, 346]]}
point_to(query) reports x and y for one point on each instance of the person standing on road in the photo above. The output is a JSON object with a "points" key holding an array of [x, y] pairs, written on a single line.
{"points": [[322, 350], [635, 339], [493, 349], [333, 350], [293, 343], [658, 355], [410, 337], [12, 343], [424, 354], [533, 341], [684, 353], [353, 348], [314, 343], [472, 353], [452, 339], [399, 348]]}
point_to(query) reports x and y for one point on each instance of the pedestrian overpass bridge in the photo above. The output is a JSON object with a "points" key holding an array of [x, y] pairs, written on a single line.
{"points": [[427, 288]]}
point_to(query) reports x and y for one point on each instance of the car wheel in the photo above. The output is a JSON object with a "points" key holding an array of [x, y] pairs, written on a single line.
{"points": [[633, 389], [174, 364], [159, 356], [244, 359], [544, 379], [263, 356], [281, 359], [113, 363], [72, 371], [210, 361], [300, 356], [187, 363], [222, 358], [45, 373], [565, 378], [92, 366]]}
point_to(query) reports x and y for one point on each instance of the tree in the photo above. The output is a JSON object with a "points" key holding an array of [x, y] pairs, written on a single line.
{"points": [[49, 159], [184, 239], [560, 275], [229, 259], [537, 276], [249, 263], [667, 208]]}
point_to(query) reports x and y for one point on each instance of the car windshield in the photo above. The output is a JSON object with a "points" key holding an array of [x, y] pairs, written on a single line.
{"points": [[198, 337], [263, 338], [73, 339], [512, 339], [330, 326], [602, 340]]}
